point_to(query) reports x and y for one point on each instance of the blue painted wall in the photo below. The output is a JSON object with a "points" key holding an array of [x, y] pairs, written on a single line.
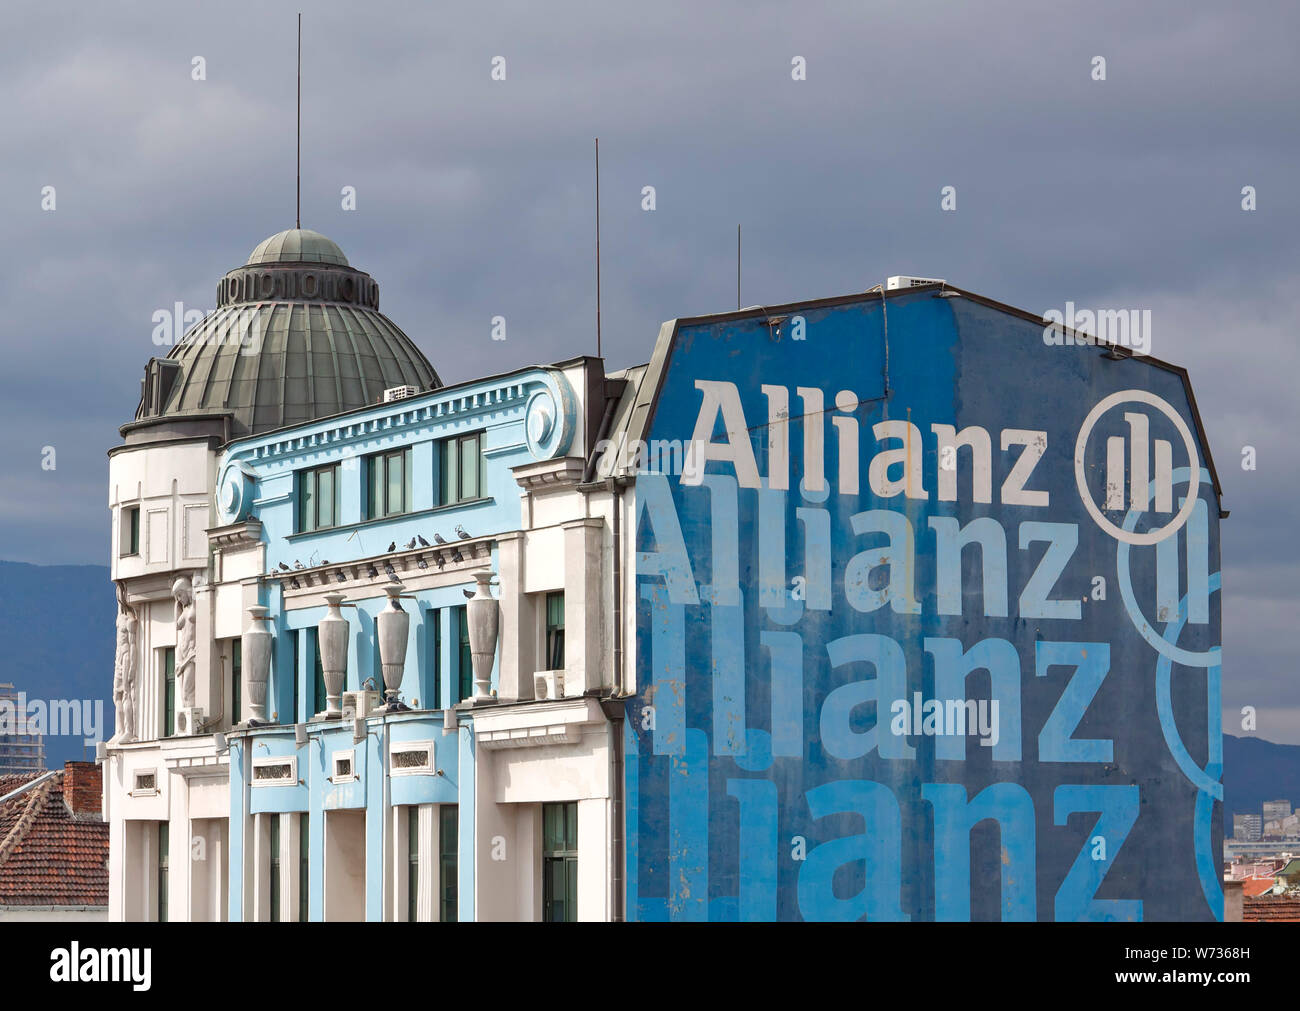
{"points": [[775, 768], [256, 478]]}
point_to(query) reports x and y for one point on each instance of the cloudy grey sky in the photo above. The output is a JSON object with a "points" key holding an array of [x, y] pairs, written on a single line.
{"points": [[474, 200]]}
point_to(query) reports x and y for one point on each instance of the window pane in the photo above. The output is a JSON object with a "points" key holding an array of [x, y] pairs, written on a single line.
{"points": [[393, 503], [469, 467], [375, 507], [320, 696], [304, 847], [169, 691], [325, 498], [407, 501], [413, 864], [236, 679], [307, 503], [450, 471], [448, 845], [164, 842], [465, 667], [275, 868]]}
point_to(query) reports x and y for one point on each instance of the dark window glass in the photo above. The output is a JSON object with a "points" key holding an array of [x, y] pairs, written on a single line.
{"points": [[164, 857], [275, 867], [560, 862], [319, 695], [169, 691], [129, 534], [433, 692], [412, 864], [297, 647], [555, 631], [389, 486], [304, 847], [318, 498], [448, 842], [236, 679], [464, 658], [463, 469]]}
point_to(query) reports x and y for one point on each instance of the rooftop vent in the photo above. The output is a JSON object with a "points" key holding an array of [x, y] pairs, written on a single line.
{"points": [[907, 281], [399, 393]]}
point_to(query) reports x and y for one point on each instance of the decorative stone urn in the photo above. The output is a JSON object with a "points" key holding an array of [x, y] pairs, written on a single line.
{"points": [[255, 649], [393, 624], [332, 639], [484, 623]]}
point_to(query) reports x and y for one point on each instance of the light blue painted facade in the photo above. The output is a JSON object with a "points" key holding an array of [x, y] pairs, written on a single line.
{"points": [[256, 480]]}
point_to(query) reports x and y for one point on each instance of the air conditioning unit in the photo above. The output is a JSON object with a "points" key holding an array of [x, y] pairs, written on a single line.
{"points": [[357, 705], [188, 721], [399, 393], [548, 684], [907, 281]]}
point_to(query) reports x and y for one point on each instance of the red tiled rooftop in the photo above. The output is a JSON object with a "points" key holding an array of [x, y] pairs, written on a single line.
{"points": [[1251, 887], [59, 859], [1271, 909]]}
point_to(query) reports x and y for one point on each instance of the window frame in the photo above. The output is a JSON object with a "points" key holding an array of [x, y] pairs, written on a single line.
{"points": [[273, 869], [128, 535], [163, 868], [379, 489], [412, 863], [451, 468], [464, 655], [309, 478], [304, 865], [553, 635], [168, 671], [565, 856], [448, 863]]}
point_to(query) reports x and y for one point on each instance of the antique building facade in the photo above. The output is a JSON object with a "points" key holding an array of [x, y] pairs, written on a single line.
{"points": [[314, 721]]}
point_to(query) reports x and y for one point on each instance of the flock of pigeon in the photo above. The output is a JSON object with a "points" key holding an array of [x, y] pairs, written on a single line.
{"points": [[373, 573]]}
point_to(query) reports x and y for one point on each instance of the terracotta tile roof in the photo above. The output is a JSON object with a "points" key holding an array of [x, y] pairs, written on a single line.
{"points": [[1271, 909], [50, 856], [1251, 887]]}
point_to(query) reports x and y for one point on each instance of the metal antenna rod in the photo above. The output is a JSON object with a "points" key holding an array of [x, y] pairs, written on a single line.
{"points": [[598, 347], [297, 207], [737, 266]]}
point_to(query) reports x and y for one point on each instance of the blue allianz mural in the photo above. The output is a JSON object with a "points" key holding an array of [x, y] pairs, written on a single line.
{"points": [[927, 623]]}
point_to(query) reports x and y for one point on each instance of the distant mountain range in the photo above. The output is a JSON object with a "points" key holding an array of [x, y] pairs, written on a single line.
{"points": [[57, 630], [57, 627], [1256, 770]]}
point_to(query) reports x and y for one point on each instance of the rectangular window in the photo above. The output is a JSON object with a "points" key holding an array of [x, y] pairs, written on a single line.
{"points": [[433, 691], [318, 498], [297, 648], [236, 679], [275, 867], [560, 862], [129, 532], [304, 847], [169, 691], [164, 844], [388, 484], [463, 468], [412, 864], [448, 840], [320, 698], [555, 631], [464, 658]]}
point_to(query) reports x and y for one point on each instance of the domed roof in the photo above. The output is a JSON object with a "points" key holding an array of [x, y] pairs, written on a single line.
{"points": [[297, 335], [297, 245]]}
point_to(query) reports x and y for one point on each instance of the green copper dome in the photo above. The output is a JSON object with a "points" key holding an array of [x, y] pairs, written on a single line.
{"points": [[297, 335], [297, 245]]}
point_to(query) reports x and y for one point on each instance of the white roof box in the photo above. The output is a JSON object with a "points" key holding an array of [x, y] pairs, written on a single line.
{"points": [[907, 281]]}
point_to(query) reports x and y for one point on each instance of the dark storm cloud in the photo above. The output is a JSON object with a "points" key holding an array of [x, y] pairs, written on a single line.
{"points": [[474, 200]]}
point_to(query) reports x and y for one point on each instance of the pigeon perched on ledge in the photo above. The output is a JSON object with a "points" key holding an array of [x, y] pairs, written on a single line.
{"points": [[460, 532]]}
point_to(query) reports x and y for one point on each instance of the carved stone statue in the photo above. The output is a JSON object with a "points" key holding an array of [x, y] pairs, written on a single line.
{"points": [[185, 652], [124, 670]]}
